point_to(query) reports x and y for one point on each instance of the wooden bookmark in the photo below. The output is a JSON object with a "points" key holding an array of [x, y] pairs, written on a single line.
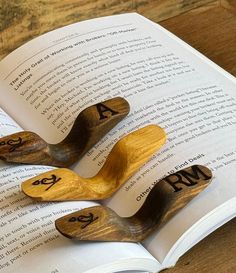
{"points": [[89, 127], [126, 157], [165, 199]]}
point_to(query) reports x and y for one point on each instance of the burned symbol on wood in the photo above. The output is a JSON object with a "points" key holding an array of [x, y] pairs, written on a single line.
{"points": [[185, 178], [47, 181], [105, 111], [87, 219], [13, 143]]}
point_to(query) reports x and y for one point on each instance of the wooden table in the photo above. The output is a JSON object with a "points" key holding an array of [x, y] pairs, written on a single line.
{"points": [[208, 25]]}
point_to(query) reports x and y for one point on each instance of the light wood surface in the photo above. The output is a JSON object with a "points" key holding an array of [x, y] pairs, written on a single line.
{"points": [[165, 199], [125, 158], [89, 127], [207, 25]]}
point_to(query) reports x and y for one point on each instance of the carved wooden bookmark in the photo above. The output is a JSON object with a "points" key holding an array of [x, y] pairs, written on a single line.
{"points": [[89, 127], [164, 200], [126, 157]]}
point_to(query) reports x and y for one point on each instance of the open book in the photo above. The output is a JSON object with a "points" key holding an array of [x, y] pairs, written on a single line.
{"points": [[48, 81]]}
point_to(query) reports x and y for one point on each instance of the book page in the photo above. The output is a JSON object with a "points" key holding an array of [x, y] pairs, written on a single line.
{"points": [[29, 241], [166, 83]]}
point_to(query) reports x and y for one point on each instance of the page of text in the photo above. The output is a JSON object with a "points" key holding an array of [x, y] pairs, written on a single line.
{"points": [[29, 241], [166, 83]]}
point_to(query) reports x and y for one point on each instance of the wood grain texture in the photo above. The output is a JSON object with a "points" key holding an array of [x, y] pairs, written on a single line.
{"points": [[211, 30], [22, 20], [89, 127], [125, 158], [229, 5], [165, 199]]}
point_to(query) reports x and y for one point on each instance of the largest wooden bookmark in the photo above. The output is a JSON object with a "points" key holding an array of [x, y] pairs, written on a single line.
{"points": [[89, 127], [167, 197]]}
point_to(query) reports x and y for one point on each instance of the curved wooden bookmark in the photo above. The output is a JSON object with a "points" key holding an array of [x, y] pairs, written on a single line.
{"points": [[89, 127], [164, 200], [126, 157]]}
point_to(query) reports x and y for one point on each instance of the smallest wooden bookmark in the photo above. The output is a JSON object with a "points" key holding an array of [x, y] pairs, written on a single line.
{"points": [[125, 158], [89, 127], [166, 198]]}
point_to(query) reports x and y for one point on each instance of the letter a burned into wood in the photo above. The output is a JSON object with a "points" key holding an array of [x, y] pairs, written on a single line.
{"points": [[89, 127], [102, 109]]}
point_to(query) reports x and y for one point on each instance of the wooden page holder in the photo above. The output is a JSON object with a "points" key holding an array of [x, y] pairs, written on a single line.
{"points": [[165, 199], [125, 158], [89, 127]]}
